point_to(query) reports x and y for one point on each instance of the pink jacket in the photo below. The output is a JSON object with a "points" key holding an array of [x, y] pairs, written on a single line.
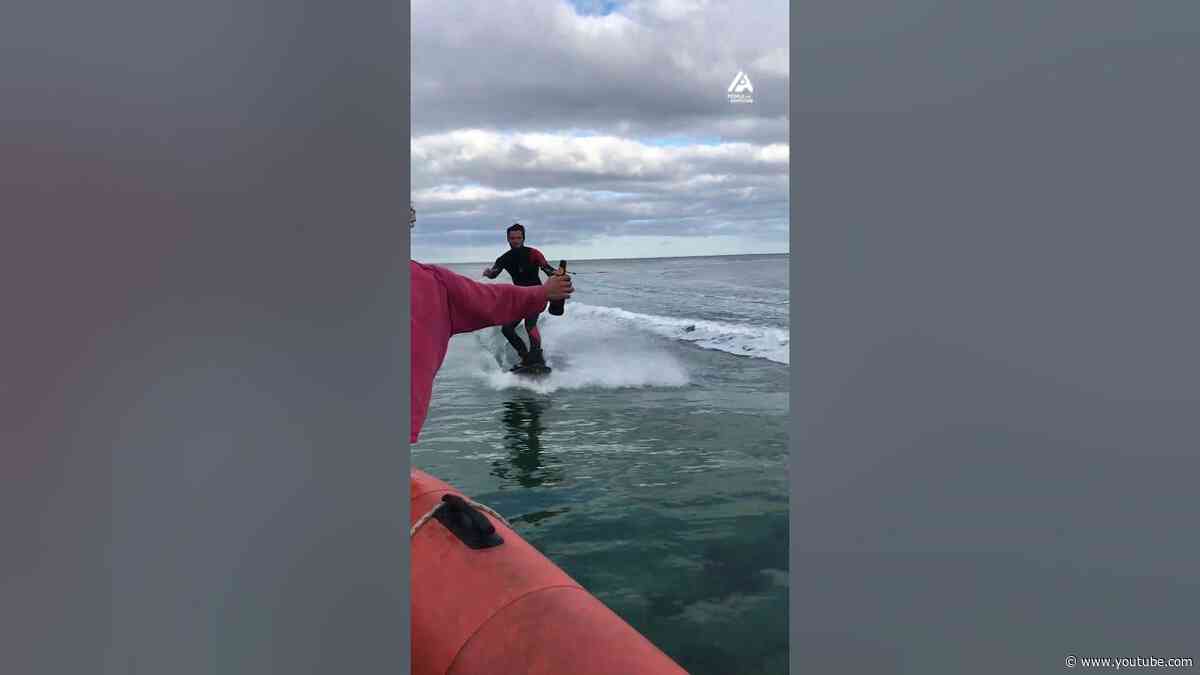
{"points": [[445, 304]]}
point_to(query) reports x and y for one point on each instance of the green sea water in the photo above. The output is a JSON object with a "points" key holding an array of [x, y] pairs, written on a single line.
{"points": [[652, 464]]}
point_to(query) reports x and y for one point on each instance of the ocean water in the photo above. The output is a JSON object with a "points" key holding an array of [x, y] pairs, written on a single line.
{"points": [[652, 463]]}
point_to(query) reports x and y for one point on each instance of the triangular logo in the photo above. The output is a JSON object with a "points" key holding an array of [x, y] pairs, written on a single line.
{"points": [[740, 84]]}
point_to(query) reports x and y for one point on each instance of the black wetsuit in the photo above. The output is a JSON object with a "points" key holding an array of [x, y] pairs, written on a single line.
{"points": [[523, 265]]}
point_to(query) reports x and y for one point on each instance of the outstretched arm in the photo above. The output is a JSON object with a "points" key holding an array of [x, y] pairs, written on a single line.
{"points": [[494, 271], [474, 305]]}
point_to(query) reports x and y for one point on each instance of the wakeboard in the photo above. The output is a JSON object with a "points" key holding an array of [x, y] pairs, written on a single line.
{"points": [[533, 370]]}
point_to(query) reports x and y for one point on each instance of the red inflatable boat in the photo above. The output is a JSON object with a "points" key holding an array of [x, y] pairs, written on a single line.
{"points": [[485, 602]]}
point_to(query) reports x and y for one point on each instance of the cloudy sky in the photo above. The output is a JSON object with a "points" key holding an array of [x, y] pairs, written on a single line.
{"points": [[604, 127]]}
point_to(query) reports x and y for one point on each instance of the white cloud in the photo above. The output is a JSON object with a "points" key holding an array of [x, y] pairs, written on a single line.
{"points": [[651, 66], [479, 154], [774, 62], [587, 128]]}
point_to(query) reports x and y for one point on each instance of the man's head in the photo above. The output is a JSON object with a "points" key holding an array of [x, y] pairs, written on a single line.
{"points": [[516, 235]]}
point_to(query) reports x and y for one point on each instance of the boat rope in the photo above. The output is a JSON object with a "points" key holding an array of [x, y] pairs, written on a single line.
{"points": [[482, 507]]}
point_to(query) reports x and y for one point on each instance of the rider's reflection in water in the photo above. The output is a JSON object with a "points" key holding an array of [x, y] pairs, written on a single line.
{"points": [[522, 438]]}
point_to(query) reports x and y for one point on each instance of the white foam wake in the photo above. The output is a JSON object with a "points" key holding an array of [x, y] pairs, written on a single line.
{"points": [[744, 340], [603, 357]]}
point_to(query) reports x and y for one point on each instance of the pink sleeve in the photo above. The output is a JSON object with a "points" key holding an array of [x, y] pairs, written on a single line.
{"points": [[474, 305]]}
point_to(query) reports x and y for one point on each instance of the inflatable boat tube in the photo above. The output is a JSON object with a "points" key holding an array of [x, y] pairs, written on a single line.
{"points": [[485, 602]]}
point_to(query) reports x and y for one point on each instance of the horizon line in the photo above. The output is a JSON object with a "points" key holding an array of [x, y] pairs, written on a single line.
{"points": [[661, 257]]}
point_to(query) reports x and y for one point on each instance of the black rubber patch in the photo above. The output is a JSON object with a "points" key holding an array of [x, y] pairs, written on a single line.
{"points": [[465, 522]]}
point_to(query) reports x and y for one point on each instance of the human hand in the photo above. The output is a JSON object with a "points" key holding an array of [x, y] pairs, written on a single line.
{"points": [[559, 287]]}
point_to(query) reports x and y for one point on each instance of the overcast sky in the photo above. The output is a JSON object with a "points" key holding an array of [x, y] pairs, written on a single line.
{"points": [[604, 127]]}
